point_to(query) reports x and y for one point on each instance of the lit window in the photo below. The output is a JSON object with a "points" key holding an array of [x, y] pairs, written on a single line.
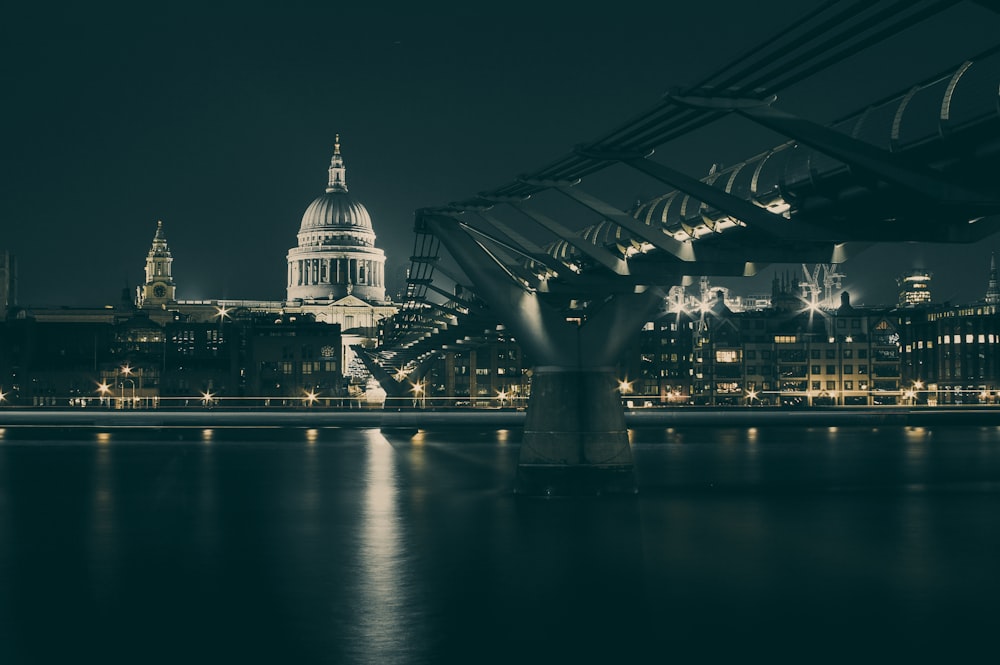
{"points": [[727, 356]]}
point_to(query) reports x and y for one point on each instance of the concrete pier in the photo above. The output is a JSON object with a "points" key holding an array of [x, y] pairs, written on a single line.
{"points": [[575, 439]]}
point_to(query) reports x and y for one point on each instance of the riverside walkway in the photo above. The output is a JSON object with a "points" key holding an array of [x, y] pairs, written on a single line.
{"points": [[496, 418]]}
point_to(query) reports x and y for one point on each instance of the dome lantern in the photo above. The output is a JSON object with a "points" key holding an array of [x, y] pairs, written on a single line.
{"points": [[338, 172]]}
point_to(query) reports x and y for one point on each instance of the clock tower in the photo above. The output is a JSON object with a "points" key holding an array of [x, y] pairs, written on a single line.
{"points": [[159, 287]]}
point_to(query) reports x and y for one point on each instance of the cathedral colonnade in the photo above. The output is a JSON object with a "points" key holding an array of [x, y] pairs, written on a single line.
{"points": [[336, 271]]}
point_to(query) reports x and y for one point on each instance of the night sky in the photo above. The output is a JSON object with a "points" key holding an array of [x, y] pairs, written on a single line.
{"points": [[221, 123]]}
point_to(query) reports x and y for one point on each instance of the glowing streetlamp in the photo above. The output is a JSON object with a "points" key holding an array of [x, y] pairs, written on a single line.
{"points": [[418, 393], [103, 388], [207, 397], [624, 386], [400, 374], [501, 395], [310, 398], [126, 371], [751, 396], [3, 397]]}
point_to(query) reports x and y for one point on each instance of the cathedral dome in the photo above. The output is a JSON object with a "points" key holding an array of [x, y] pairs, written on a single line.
{"points": [[336, 210], [336, 254]]}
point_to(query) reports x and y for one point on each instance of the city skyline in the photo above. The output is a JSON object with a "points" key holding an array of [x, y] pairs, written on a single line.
{"points": [[222, 128]]}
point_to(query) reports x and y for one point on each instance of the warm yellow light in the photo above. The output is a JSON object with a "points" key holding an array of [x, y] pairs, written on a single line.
{"points": [[625, 386], [751, 395], [103, 388], [310, 397], [918, 384], [3, 396], [400, 374], [418, 388], [206, 397], [221, 312], [126, 370]]}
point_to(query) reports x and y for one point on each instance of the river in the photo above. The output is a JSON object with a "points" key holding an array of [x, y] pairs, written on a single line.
{"points": [[289, 545]]}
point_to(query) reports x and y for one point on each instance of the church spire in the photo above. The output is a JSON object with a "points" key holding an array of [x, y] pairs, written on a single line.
{"points": [[159, 287], [338, 172], [993, 289]]}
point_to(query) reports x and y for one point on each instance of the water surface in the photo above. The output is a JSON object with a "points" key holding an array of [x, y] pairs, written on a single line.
{"points": [[362, 546]]}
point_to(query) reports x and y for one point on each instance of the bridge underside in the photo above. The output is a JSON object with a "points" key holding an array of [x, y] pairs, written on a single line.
{"points": [[917, 166]]}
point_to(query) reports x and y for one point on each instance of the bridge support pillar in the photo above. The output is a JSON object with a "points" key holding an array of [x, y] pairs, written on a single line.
{"points": [[575, 441]]}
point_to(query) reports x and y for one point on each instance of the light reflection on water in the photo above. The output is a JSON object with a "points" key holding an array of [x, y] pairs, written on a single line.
{"points": [[384, 610], [327, 545]]}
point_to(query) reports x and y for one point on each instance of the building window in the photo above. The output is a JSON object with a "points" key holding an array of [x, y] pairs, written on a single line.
{"points": [[831, 354], [831, 369], [831, 385], [862, 369], [815, 369], [814, 354], [848, 353], [727, 356], [848, 369], [848, 385]]}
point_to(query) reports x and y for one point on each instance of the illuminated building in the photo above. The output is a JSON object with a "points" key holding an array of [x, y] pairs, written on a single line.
{"points": [[336, 254], [335, 273], [914, 288]]}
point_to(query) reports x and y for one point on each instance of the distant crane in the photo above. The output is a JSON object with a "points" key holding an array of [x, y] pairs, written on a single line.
{"points": [[822, 293]]}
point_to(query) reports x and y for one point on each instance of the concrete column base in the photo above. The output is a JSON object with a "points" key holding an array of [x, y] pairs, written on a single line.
{"points": [[575, 441]]}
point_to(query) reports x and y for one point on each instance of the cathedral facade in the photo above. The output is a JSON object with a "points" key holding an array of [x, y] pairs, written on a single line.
{"points": [[335, 273]]}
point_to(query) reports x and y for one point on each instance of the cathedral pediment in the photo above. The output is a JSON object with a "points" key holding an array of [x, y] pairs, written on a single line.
{"points": [[350, 301]]}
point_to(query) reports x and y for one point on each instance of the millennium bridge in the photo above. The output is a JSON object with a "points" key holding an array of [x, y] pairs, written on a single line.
{"points": [[573, 276]]}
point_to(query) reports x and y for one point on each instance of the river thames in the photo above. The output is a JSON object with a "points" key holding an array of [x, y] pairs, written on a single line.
{"points": [[340, 545]]}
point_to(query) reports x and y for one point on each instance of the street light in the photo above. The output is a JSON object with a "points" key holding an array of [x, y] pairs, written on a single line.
{"points": [[501, 395], [206, 398], [104, 389], [310, 397], [751, 396], [127, 372], [418, 393], [624, 386]]}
